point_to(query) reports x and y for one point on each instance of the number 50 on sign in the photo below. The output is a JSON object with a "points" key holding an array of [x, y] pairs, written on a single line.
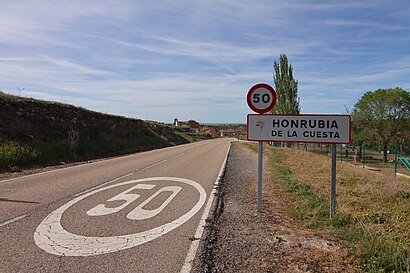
{"points": [[261, 98]]}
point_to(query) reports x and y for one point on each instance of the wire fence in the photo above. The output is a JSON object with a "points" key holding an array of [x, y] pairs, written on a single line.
{"points": [[357, 155]]}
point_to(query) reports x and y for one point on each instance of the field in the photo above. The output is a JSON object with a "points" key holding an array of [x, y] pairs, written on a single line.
{"points": [[373, 208]]}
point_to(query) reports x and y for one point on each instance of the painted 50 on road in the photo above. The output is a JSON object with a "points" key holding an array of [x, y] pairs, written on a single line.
{"points": [[54, 238]]}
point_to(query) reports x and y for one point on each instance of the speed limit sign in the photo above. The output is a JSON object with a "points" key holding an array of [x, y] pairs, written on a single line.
{"points": [[261, 98]]}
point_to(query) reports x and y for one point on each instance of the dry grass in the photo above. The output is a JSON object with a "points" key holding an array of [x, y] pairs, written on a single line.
{"points": [[291, 246], [373, 211]]}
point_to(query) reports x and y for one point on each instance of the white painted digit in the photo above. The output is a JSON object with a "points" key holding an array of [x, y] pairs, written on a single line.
{"points": [[141, 214], [101, 209], [54, 239]]}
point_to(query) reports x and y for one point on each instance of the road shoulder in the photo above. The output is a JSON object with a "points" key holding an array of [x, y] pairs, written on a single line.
{"points": [[239, 239]]}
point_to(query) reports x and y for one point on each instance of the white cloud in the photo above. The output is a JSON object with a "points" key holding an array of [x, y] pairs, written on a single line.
{"points": [[199, 58]]}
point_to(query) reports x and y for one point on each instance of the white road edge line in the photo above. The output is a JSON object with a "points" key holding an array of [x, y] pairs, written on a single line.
{"points": [[13, 220], [186, 268]]}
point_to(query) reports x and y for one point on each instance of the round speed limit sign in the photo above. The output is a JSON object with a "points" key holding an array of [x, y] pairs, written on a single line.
{"points": [[261, 98]]}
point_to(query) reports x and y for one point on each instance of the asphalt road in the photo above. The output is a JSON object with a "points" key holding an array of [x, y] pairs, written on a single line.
{"points": [[137, 213]]}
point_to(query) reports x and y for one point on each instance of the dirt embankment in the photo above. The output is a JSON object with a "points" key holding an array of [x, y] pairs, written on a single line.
{"points": [[240, 239], [41, 132]]}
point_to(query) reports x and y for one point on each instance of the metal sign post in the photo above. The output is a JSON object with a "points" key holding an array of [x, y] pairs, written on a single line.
{"points": [[333, 183], [307, 128], [260, 163], [261, 98]]}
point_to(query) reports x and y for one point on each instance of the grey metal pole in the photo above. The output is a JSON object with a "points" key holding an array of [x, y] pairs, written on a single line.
{"points": [[333, 183], [260, 160]]}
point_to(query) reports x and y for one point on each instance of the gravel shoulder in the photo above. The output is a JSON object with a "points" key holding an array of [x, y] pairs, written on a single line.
{"points": [[240, 239]]}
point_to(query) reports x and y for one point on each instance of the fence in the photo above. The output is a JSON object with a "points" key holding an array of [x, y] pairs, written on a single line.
{"points": [[360, 156]]}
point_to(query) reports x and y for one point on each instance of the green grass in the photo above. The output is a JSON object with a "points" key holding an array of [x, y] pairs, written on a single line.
{"points": [[9, 97], [15, 154], [377, 251], [306, 204], [252, 146]]}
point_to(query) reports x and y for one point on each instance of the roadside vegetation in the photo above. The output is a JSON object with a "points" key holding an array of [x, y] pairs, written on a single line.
{"points": [[16, 154], [39, 133], [372, 214], [373, 210]]}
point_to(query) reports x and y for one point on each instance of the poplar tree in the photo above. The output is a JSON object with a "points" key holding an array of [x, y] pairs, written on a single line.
{"points": [[287, 101]]}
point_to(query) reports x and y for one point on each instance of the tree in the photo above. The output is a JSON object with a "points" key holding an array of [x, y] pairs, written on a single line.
{"points": [[286, 88], [402, 138], [383, 116]]}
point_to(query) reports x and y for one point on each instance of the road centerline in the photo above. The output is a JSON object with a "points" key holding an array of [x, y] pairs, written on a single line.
{"points": [[13, 220]]}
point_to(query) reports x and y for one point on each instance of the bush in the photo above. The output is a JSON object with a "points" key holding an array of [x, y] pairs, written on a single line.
{"points": [[12, 154]]}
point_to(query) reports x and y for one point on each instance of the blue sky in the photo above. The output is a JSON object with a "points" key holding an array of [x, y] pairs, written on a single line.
{"points": [[197, 59]]}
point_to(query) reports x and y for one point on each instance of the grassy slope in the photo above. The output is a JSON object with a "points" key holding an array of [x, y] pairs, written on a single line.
{"points": [[373, 212], [37, 132]]}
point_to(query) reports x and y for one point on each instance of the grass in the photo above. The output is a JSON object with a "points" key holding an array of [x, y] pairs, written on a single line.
{"points": [[252, 146], [13, 153], [373, 212], [307, 205], [9, 97]]}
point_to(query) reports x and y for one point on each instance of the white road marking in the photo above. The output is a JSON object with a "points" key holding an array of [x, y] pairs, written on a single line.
{"points": [[12, 220], [176, 156], [126, 196], [142, 214], [155, 164], [187, 266], [95, 162], [118, 178], [54, 239], [102, 185]]}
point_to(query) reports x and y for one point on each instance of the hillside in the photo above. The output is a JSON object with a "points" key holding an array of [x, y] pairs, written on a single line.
{"points": [[36, 132]]}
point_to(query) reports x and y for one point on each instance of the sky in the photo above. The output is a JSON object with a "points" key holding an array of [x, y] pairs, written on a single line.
{"points": [[191, 59]]}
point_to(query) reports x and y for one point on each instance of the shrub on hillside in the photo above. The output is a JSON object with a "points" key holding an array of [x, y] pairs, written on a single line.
{"points": [[12, 154]]}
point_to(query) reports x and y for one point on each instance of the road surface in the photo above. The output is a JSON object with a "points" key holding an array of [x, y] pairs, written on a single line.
{"points": [[138, 213]]}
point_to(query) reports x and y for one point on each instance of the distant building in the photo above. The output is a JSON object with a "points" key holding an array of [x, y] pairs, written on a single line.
{"points": [[190, 123], [210, 131], [229, 133]]}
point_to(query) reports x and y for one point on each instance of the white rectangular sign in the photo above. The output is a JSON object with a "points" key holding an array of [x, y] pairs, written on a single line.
{"points": [[333, 129]]}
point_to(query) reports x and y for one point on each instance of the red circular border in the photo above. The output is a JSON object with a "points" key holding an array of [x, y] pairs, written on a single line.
{"points": [[265, 86]]}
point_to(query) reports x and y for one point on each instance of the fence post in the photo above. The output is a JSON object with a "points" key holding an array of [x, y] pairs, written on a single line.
{"points": [[396, 158]]}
